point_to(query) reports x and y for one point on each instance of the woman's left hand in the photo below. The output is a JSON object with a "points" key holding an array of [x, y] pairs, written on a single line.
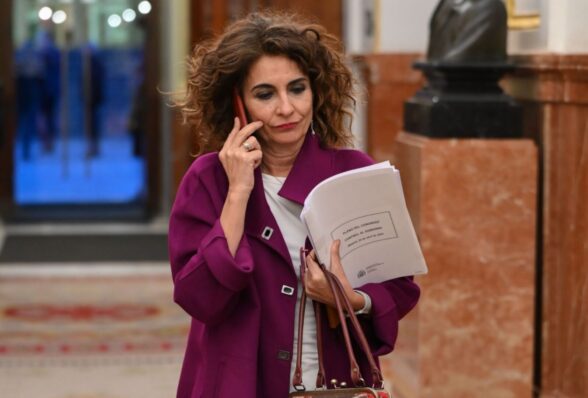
{"points": [[317, 287]]}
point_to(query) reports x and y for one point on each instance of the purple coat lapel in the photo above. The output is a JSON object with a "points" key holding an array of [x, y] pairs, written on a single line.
{"points": [[312, 165]]}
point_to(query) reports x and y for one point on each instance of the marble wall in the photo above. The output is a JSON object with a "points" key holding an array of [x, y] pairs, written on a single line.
{"points": [[554, 92], [473, 203], [389, 80]]}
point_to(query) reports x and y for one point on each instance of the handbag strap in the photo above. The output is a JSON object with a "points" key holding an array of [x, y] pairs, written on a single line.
{"points": [[341, 301], [320, 377], [321, 381], [356, 377], [377, 377], [297, 380]]}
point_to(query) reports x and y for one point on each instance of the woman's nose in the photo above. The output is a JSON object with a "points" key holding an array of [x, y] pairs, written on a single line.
{"points": [[285, 106]]}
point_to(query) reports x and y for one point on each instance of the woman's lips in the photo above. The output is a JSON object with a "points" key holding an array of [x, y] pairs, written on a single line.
{"points": [[286, 126]]}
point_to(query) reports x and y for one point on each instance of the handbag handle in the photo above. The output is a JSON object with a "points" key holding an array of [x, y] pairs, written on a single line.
{"points": [[356, 377], [341, 300], [320, 377], [321, 382], [378, 380]]}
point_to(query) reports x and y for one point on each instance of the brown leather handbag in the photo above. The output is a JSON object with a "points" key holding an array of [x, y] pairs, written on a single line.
{"points": [[359, 390]]}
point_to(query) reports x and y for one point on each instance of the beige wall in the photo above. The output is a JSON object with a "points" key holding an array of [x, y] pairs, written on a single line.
{"points": [[402, 26], [563, 29], [399, 25]]}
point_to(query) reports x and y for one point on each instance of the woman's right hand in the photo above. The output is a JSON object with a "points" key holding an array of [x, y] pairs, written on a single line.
{"points": [[240, 155]]}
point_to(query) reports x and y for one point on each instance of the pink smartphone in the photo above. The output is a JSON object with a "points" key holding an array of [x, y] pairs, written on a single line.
{"points": [[239, 108]]}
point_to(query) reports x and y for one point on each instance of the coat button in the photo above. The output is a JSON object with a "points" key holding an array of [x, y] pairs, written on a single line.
{"points": [[284, 355], [287, 290], [267, 233]]}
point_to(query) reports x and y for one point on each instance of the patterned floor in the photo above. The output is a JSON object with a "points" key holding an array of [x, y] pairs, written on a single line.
{"points": [[89, 332], [112, 331]]}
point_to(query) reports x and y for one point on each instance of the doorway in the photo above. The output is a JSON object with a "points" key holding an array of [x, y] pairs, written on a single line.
{"points": [[81, 144]]}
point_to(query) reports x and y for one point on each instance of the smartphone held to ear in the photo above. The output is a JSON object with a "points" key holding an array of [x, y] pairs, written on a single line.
{"points": [[239, 108]]}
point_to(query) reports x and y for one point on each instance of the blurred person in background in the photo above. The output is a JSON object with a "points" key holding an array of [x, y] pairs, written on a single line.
{"points": [[51, 88], [30, 82]]}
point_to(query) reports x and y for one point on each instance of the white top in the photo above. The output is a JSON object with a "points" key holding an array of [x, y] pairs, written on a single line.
{"points": [[287, 215]]}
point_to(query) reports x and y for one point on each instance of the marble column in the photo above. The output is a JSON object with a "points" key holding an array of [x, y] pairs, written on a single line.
{"points": [[553, 89], [473, 203], [389, 80]]}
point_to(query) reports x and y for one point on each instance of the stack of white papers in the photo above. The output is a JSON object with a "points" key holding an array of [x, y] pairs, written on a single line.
{"points": [[366, 210]]}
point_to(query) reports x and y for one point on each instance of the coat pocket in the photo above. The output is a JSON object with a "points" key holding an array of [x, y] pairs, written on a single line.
{"points": [[236, 377]]}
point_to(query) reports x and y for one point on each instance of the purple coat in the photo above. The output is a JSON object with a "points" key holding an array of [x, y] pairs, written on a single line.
{"points": [[241, 338]]}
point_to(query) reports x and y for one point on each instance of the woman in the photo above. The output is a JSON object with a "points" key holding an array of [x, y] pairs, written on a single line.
{"points": [[235, 235]]}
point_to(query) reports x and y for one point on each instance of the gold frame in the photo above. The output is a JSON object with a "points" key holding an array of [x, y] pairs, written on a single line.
{"points": [[521, 21], [377, 26]]}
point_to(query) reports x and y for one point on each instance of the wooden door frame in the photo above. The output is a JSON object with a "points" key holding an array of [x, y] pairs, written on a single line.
{"points": [[7, 112], [152, 60]]}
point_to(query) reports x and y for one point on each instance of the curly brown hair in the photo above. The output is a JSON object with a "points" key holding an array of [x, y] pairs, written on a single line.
{"points": [[219, 64]]}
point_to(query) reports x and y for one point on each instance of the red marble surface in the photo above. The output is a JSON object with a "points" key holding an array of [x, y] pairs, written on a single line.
{"points": [[554, 91], [389, 81], [474, 205]]}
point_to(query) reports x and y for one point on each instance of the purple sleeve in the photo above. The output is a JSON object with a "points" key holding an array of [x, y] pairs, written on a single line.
{"points": [[207, 279], [391, 301]]}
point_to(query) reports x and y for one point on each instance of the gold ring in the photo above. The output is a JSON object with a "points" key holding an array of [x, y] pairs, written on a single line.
{"points": [[248, 147]]}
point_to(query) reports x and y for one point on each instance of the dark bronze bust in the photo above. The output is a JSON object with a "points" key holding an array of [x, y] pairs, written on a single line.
{"points": [[468, 31], [465, 61]]}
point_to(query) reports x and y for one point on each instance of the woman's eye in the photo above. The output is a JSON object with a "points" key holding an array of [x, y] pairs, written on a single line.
{"points": [[298, 89], [263, 95]]}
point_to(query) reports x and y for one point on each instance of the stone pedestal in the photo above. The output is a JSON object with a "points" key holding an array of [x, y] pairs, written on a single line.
{"points": [[463, 100], [473, 203]]}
